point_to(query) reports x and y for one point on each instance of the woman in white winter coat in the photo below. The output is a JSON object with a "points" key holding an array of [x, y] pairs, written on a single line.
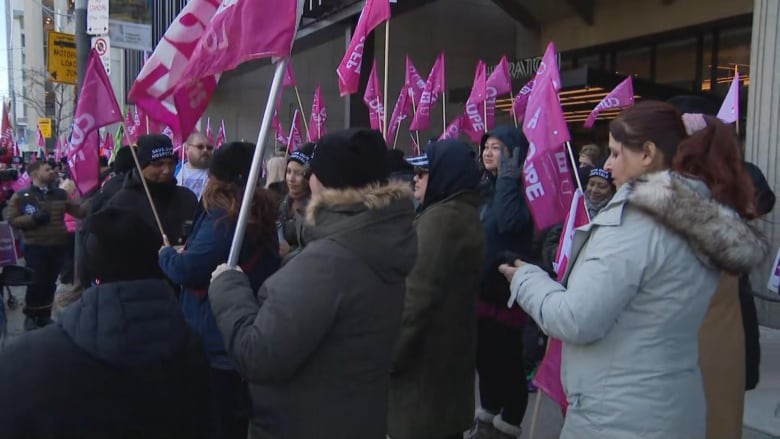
{"points": [[643, 272]]}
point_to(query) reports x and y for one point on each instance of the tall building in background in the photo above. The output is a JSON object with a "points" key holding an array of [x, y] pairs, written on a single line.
{"points": [[33, 93]]}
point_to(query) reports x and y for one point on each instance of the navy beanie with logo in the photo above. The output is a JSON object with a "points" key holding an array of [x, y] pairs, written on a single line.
{"points": [[153, 147]]}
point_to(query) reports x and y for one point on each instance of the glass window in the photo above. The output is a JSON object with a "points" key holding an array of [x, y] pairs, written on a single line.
{"points": [[733, 51], [635, 62], [592, 61], [676, 64], [706, 62]]}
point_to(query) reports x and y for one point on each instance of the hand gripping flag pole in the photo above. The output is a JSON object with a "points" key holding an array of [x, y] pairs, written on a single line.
{"points": [[257, 164]]}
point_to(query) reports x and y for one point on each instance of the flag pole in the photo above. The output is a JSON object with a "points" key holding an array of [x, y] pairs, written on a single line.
{"points": [[395, 141], [443, 110], [387, 68], [303, 113], [414, 111], [512, 100], [257, 159], [486, 120], [146, 188], [575, 168], [736, 104]]}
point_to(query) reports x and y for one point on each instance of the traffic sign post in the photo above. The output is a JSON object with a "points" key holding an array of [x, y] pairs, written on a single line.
{"points": [[102, 46], [44, 123], [62, 62]]}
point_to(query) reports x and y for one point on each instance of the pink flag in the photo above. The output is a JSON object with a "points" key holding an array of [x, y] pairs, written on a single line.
{"points": [[374, 13], [401, 111], [479, 88], [453, 129], [209, 133], [729, 110], [499, 83], [433, 86], [6, 130], [58, 149], [414, 81], [289, 76], [548, 68], [22, 182], [108, 146], [277, 126], [161, 89], [474, 124], [548, 374], [168, 132], [521, 100], [319, 115], [295, 139], [97, 107], [221, 135], [130, 136], [39, 137], [544, 124], [621, 96], [373, 99], [243, 30], [415, 146]]}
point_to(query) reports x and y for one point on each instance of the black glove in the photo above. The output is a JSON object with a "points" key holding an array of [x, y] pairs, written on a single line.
{"points": [[511, 165], [41, 217]]}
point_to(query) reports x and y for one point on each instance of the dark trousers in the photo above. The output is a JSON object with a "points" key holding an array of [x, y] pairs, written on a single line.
{"points": [[46, 263], [502, 384], [230, 405], [68, 266]]}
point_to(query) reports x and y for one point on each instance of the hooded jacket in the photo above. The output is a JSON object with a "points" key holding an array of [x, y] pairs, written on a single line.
{"points": [[641, 279], [432, 385], [174, 204], [315, 342], [120, 363]]}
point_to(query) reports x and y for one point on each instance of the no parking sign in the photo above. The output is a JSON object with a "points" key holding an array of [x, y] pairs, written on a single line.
{"points": [[102, 46]]}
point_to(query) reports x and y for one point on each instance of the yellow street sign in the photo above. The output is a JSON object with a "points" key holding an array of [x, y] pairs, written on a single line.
{"points": [[45, 124], [62, 63]]}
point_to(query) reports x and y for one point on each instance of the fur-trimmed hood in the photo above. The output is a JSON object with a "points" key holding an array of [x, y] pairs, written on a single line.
{"points": [[376, 222], [720, 237]]}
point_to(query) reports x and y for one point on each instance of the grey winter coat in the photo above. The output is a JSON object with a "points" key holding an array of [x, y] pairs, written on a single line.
{"points": [[643, 274], [315, 342], [432, 387]]}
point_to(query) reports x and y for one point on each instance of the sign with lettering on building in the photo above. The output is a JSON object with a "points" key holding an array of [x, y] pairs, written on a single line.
{"points": [[61, 61], [524, 67], [130, 24], [97, 17]]}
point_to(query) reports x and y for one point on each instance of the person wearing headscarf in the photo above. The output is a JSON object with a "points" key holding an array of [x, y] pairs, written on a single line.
{"points": [[432, 383]]}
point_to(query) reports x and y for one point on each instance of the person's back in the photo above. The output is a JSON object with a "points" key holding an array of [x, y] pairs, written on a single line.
{"points": [[120, 362]]}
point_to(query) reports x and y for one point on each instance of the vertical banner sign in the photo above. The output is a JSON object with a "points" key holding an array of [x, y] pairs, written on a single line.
{"points": [[97, 17], [102, 46]]}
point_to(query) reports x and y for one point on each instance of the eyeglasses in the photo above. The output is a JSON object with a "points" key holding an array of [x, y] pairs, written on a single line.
{"points": [[202, 146]]}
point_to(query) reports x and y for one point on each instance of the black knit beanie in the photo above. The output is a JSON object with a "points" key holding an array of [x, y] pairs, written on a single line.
{"points": [[352, 158], [232, 161], [153, 147]]}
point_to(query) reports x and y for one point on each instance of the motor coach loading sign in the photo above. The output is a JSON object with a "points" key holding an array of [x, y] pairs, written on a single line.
{"points": [[62, 63]]}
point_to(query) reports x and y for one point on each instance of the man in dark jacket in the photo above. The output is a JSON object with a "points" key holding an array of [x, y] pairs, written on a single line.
{"points": [[432, 384], [316, 341], [39, 212], [175, 205], [120, 362]]}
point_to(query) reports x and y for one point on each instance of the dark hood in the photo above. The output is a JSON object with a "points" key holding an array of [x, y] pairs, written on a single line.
{"points": [[126, 323], [508, 135], [452, 168], [133, 181], [378, 218]]}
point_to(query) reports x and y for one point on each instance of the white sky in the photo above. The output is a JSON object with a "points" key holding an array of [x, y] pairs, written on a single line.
{"points": [[4, 47]]}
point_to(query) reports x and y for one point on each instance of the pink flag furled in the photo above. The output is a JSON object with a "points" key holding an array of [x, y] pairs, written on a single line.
{"points": [[373, 99], [401, 111], [289, 76], [221, 134], [621, 96], [161, 89], [453, 129], [58, 149], [521, 100], [276, 124], [209, 132], [433, 87], [729, 110], [498, 83], [22, 182], [548, 374], [319, 115], [6, 130], [374, 13], [295, 139], [414, 81], [97, 107], [39, 137], [243, 30]]}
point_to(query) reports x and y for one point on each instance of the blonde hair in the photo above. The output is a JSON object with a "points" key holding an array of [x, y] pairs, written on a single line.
{"points": [[276, 169]]}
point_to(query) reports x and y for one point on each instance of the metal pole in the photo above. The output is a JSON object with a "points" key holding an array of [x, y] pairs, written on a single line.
{"points": [[82, 41], [257, 164]]}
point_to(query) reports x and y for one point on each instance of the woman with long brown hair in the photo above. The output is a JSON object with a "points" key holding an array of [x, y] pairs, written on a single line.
{"points": [[208, 246], [642, 276]]}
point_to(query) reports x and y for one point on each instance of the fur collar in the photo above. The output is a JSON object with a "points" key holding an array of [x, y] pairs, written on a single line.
{"points": [[372, 197], [720, 237]]}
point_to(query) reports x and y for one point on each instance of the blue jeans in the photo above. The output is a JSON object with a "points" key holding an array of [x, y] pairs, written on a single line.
{"points": [[46, 263]]}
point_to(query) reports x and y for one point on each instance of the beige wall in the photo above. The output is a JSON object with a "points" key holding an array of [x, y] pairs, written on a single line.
{"points": [[616, 20]]}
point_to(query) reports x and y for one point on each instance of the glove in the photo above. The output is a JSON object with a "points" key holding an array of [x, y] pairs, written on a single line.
{"points": [[511, 165], [41, 217]]}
